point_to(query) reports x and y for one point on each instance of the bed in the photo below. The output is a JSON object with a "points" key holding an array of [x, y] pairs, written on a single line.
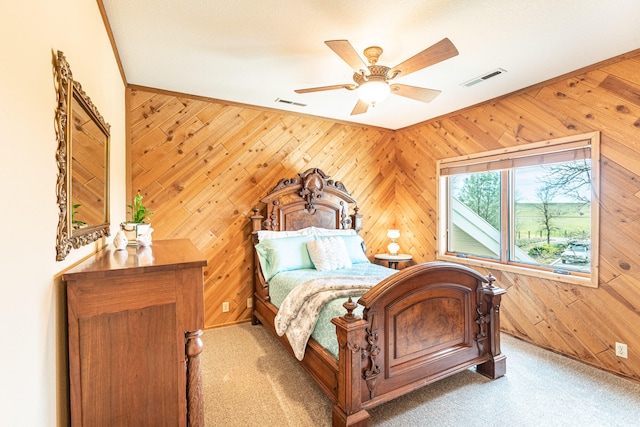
{"points": [[395, 332]]}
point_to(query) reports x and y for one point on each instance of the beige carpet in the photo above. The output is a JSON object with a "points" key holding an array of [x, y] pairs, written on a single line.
{"points": [[250, 380]]}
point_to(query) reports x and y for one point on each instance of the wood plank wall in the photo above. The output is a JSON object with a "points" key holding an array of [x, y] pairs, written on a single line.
{"points": [[581, 322], [203, 164]]}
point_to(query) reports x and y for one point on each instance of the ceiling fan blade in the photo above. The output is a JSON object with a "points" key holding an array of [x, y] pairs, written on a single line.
{"points": [[360, 108], [348, 54], [349, 86], [418, 93], [440, 51]]}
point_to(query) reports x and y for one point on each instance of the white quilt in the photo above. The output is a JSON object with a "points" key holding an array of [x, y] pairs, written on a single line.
{"points": [[299, 311]]}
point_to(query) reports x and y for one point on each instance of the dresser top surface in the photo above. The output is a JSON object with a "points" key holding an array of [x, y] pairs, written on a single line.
{"points": [[161, 255]]}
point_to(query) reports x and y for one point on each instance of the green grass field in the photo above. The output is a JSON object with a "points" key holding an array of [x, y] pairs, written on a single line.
{"points": [[569, 220]]}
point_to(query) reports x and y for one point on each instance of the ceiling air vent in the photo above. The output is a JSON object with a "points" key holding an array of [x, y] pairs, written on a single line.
{"points": [[284, 101], [484, 77]]}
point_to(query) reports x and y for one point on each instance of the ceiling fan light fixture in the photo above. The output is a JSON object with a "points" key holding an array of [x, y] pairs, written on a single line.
{"points": [[372, 81], [373, 91]]}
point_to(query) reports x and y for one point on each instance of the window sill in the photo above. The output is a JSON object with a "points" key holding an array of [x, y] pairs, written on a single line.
{"points": [[588, 282]]}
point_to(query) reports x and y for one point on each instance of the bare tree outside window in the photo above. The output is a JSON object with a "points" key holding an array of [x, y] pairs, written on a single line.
{"points": [[548, 210], [572, 180]]}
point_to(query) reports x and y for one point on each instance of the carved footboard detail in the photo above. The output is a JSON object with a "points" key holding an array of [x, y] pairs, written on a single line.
{"points": [[371, 352], [496, 366], [426, 323], [350, 331], [483, 317]]}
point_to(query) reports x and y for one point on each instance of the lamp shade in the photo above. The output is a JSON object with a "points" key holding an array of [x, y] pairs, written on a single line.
{"points": [[393, 234], [373, 91]]}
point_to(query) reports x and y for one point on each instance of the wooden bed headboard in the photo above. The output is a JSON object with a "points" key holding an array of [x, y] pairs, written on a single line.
{"points": [[310, 199]]}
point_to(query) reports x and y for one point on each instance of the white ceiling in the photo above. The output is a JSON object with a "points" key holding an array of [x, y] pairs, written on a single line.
{"points": [[256, 51]]}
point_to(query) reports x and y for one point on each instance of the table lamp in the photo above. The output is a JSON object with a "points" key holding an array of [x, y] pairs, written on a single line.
{"points": [[393, 247]]}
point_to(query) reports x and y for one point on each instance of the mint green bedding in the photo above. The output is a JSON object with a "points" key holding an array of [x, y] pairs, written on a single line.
{"points": [[325, 332]]}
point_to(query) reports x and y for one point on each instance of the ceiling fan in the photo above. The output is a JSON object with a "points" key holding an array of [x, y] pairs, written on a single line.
{"points": [[373, 81]]}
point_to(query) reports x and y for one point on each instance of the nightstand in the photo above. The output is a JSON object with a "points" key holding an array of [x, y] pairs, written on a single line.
{"points": [[393, 260]]}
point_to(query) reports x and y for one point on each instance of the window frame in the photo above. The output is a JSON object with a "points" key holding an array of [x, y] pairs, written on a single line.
{"points": [[513, 155]]}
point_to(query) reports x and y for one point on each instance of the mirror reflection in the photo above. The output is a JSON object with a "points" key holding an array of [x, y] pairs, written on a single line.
{"points": [[88, 169], [83, 169]]}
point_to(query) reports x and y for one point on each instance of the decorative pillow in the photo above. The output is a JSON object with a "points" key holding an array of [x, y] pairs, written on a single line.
{"points": [[329, 253], [355, 249], [268, 234], [283, 254], [322, 232]]}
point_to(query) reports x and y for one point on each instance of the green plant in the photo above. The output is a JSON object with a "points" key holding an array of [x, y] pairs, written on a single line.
{"points": [[137, 210], [76, 222], [546, 250]]}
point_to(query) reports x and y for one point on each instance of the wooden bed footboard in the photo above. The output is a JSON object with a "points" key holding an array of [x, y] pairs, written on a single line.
{"points": [[423, 324]]}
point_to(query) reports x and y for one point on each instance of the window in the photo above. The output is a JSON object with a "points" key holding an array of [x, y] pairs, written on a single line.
{"points": [[531, 208]]}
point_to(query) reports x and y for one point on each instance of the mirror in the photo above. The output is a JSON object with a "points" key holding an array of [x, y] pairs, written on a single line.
{"points": [[83, 168]]}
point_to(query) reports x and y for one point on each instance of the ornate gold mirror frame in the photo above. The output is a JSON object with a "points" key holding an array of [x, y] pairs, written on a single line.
{"points": [[83, 164]]}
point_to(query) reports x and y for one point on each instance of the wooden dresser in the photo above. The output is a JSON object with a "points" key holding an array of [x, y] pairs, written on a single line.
{"points": [[135, 319]]}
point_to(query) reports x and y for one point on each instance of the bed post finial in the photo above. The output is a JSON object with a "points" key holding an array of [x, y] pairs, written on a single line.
{"points": [[256, 220], [356, 219], [490, 279], [350, 306]]}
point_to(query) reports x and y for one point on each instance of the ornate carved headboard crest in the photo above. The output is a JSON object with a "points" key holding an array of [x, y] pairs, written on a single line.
{"points": [[313, 182], [311, 198], [312, 187]]}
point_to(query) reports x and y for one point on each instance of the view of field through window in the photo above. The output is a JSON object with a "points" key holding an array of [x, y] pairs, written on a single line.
{"points": [[547, 218]]}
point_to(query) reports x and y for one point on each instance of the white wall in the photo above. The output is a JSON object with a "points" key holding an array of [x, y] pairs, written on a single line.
{"points": [[33, 383]]}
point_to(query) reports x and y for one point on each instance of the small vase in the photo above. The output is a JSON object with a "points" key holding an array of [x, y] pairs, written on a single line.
{"points": [[145, 238], [120, 240]]}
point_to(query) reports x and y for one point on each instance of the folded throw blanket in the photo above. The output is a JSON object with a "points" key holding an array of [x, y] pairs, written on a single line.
{"points": [[299, 311]]}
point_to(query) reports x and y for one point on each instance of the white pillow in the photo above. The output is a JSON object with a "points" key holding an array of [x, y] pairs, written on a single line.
{"points": [[268, 234], [329, 253], [330, 232]]}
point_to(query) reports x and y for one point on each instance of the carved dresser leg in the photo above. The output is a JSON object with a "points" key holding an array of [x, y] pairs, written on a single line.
{"points": [[195, 398]]}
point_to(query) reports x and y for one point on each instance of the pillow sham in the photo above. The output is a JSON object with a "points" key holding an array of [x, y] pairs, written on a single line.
{"points": [[331, 232], [283, 254], [355, 249], [329, 253], [268, 234]]}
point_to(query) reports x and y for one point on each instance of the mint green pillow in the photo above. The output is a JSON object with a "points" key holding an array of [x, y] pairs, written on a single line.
{"points": [[262, 249], [355, 249], [285, 254]]}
